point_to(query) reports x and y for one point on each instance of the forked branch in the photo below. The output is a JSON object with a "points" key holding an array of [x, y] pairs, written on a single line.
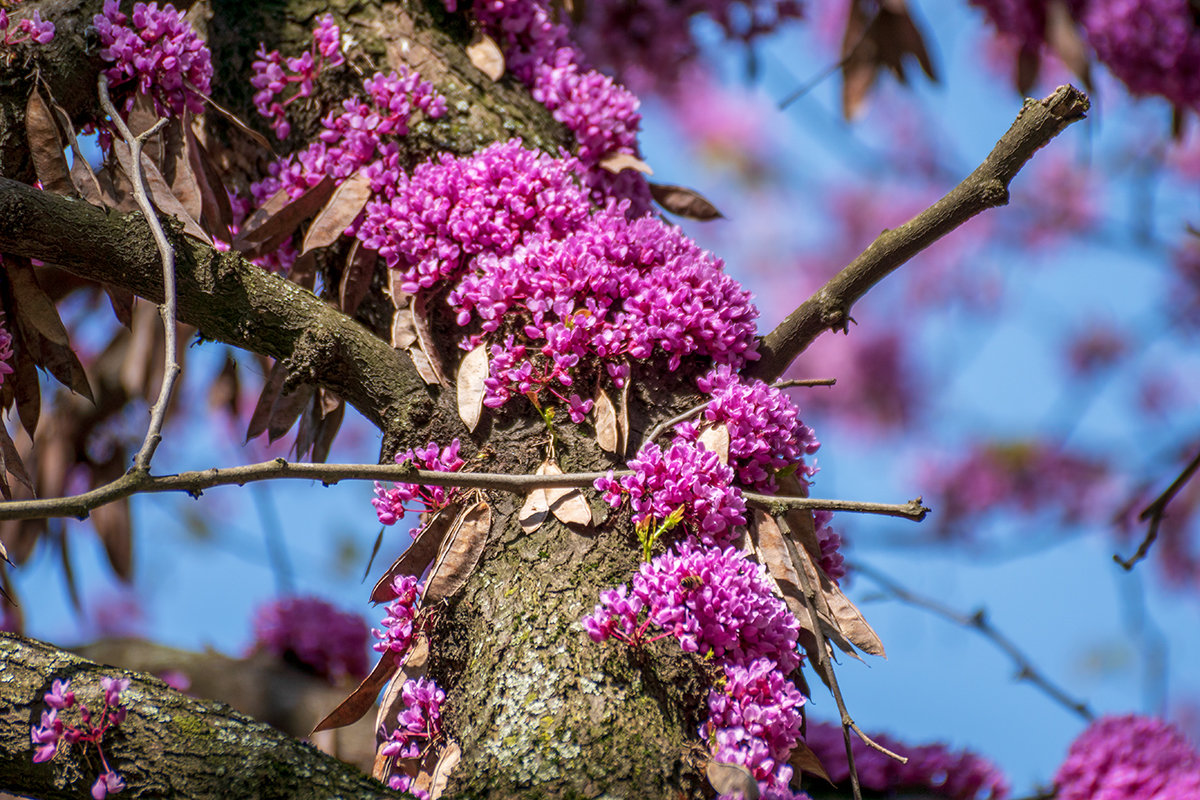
{"points": [[987, 187]]}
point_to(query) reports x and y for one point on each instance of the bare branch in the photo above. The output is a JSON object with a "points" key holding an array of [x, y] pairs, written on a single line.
{"points": [[776, 505], [171, 368], [987, 187], [1155, 512], [978, 622]]}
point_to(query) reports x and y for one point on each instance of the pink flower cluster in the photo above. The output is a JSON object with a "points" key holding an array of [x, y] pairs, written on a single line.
{"points": [[161, 52], [399, 622], [718, 603], [932, 770], [33, 29], [91, 728], [765, 432], [315, 635], [715, 602], [6, 351], [1022, 20], [389, 503], [1153, 46], [420, 720], [1129, 758], [270, 78], [682, 475]]}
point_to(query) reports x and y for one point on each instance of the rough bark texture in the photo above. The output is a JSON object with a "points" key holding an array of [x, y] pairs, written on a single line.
{"points": [[539, 710], [170, 745]]}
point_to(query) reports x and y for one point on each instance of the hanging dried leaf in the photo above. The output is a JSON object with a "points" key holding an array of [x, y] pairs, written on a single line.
{"points": [[423, 550], [1029, 65], [86, 182], [42, 331], [459, 554], [164, 200], [116, 189], [568, 505], [619, 162], [885, 39], [608, 431], [345, 204], [353, 708], [392, 703], [1065, 41], [306, 431], [772, 552], [716, 439], [447, 761], [486, 56], [404, 333], [426, 338], [684, 202], [177, 169], [732, 779], [11, 464], [356, 277], [266, 400], [225, 388], [281, 216], [217, 214], [141, 118], [424, 366], [112, 521], [46, 147], [121, 301], [850, 620], [286, 410], [472, 373], [623, 420], [257, 137], [534, 511], [328, 429], [26, 390], [804, 760]]}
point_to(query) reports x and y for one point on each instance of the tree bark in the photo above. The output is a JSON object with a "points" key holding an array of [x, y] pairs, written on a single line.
{"points": [[169, 746]]}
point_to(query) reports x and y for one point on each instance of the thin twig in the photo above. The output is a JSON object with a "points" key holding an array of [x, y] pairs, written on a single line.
{"points": [[171, 368], [663, 427], [776, 505], [978, 622], [1156, 512], [197, 481], [987, 187]]}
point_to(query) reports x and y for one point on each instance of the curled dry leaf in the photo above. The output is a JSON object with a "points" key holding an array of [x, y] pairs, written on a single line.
{"points": [[427, 339], [281, 216], [684, 202], [46, 147], [534, 511], [404, 331], [286, 409], [416, 660], [423, 550], [346, 203], [803, 759], [608, 431], [459, 554], [447, 761], [424, 366], [472, 372], [731, 779], [568, 505], [486, 56], [353, 708], [618, 162], [266, 400], [716, 439], [216, 211], [11, 464], [42, 332], [164, 199], [177, 168], [356, 277], [623, 419]]}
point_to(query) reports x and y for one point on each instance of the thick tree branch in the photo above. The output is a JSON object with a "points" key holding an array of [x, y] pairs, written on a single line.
{"points": [[170, 746], [226, 297], [986, 187]]}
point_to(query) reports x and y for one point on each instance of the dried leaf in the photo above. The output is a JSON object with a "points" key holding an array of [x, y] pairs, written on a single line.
{"points": [[803, 759], [345, 204], [113, 523], [266, 400], [328, 429], [11, 464], [472, 372], [177, 169], [423, 550], [568, 505], [486, 56], [86, 182], [257, 137], [426, 338], [1029, 65], [424, 366], [885, 39], [534, 511], [623, 420], [684, 202], [391, 704], [286, 409], [850, 620], [446, 763], [459, 554], [608, 431], [121, 301], [225, 388], [404, 333], [356, 277], [26, 390], [716, 439], [618, 162], [42, 331], [1062, 34], [732, 779], [46, 147], [353, 708], [164, 200], [217, 213], [281, 216]]}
